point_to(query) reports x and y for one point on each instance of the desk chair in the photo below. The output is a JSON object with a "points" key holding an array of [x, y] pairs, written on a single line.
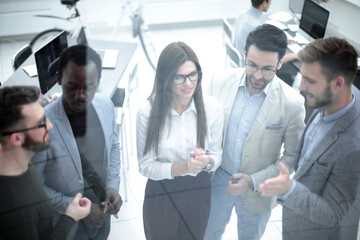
{"points": [[233, 54], [227, 28], [118, 100], [133, 85], [20, 56], [38, 41]]}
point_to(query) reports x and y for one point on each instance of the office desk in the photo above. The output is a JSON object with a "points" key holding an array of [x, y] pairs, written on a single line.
{"points": [[110, 78]]}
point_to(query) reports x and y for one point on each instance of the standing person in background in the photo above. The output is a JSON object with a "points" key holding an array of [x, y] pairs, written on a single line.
{"points": [[179, 134], [85, 156], [263, 115], [248, 21], [25, 209], [322, 200]]}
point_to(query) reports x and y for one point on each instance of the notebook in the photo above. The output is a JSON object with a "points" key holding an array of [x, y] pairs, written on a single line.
{"points": [[108, 57]]}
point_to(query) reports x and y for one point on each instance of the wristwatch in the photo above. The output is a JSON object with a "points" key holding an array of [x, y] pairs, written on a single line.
{"points": [[208, 166]]}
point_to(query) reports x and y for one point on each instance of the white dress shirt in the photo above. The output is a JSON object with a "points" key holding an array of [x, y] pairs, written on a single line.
{"points": [[178, 138]]}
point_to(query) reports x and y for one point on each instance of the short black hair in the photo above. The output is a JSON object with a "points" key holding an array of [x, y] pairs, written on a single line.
{"points": [[257, 3], [11, 100], [267, 38], [81, 55]]}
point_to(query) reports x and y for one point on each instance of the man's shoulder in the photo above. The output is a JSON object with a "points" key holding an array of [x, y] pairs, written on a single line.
{"points": [[229, 75], [53, 107], [101, 100], [290, 94], [211, 103]]}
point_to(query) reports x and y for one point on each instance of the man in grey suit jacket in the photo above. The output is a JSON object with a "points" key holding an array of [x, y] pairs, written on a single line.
{"points": [[322, 200], [85, 154], [261, 114]]}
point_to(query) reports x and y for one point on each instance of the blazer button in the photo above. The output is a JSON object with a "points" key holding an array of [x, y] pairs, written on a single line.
{"points": [[80, 181]]}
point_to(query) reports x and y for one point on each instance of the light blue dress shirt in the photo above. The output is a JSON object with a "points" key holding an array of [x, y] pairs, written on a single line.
{"points": [[316, 131], [242, 117]]}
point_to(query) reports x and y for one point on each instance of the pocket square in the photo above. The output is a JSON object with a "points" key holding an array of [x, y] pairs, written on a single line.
{"points": [[275, 126]]}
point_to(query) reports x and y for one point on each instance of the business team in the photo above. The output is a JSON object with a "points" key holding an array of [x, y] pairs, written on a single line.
{"points": [[252, 115]]}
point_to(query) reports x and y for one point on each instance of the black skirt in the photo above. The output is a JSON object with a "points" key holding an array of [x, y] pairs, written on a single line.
{"points": [[178, 208]]}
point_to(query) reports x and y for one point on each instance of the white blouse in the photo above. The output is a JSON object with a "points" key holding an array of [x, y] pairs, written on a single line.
{"points": [[179, 139]]}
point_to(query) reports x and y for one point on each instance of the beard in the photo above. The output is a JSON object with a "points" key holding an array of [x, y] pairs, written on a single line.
{"points": [[35, 146], [324, 100]]}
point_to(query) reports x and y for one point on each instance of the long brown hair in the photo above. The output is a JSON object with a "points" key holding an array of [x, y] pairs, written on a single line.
{"points": [[171, 58]]}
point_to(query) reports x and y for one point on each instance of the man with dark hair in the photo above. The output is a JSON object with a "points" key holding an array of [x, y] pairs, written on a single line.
{"points": [[86, 156], [262, 114], [322, 200], [25, 209]]}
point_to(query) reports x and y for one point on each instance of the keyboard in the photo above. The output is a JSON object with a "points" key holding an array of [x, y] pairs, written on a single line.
{"points": [[300, 39], [294, 47]]}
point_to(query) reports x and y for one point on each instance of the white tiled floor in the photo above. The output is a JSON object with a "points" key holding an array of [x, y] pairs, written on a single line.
{"points": [[207, 43]]}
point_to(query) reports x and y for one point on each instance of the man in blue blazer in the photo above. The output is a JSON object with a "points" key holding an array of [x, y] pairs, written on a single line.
{"points": [[85, 154], [322, 200]]}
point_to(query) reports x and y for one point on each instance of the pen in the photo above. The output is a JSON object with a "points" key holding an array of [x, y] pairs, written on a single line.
{"points": [[115, 215], [105, 209]]}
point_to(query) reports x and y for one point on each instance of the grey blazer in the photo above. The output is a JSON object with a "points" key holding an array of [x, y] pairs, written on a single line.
{"points": [[325, 202], [60, 165]]}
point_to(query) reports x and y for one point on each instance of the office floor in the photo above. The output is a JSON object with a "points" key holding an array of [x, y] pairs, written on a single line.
{"points": [[207, 43]]}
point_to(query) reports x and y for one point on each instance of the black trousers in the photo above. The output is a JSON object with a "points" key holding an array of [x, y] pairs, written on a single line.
{"points": [[177, 208]]}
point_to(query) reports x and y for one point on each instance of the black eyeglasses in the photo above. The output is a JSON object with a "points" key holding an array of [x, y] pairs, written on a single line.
{"points": [[42, 125], [264, 71], [193, 76]]}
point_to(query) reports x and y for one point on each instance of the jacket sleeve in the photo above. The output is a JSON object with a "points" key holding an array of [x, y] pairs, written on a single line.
{"points": [[59, 201], [339, 192], [113, 180]]}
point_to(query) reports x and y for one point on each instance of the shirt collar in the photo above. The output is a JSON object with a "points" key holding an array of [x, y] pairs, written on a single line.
{"points": [[336, 116], [191, 107], [256, 11]]}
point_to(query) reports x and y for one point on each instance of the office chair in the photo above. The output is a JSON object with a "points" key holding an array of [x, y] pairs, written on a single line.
{"points": [[228, 30], [20, 56], [38, 40], [233, 54], [119, 99]]}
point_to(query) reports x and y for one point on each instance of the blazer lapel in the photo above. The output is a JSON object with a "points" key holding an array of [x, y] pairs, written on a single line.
{"points": [[228, 98], [64, 129], [328, 139], [267, 106], [324, 145], [105, 127]]}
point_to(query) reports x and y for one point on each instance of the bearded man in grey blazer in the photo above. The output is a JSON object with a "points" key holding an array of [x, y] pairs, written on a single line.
{"points": [[262, 114], [322, 200]]}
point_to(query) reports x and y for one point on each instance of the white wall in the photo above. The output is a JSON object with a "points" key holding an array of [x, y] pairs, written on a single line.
{"points": [[344, 20], [16, 16]]}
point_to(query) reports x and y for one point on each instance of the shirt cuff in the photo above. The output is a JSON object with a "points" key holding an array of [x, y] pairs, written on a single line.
{"points": [[284, 196], [255, 189]]}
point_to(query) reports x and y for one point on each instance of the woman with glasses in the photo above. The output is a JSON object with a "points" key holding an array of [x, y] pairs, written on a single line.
{"points": [[179, 135]]}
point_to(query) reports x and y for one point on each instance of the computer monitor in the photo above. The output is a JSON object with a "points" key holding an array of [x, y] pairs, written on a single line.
{"points": [[314, 19], [47, 59]]}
